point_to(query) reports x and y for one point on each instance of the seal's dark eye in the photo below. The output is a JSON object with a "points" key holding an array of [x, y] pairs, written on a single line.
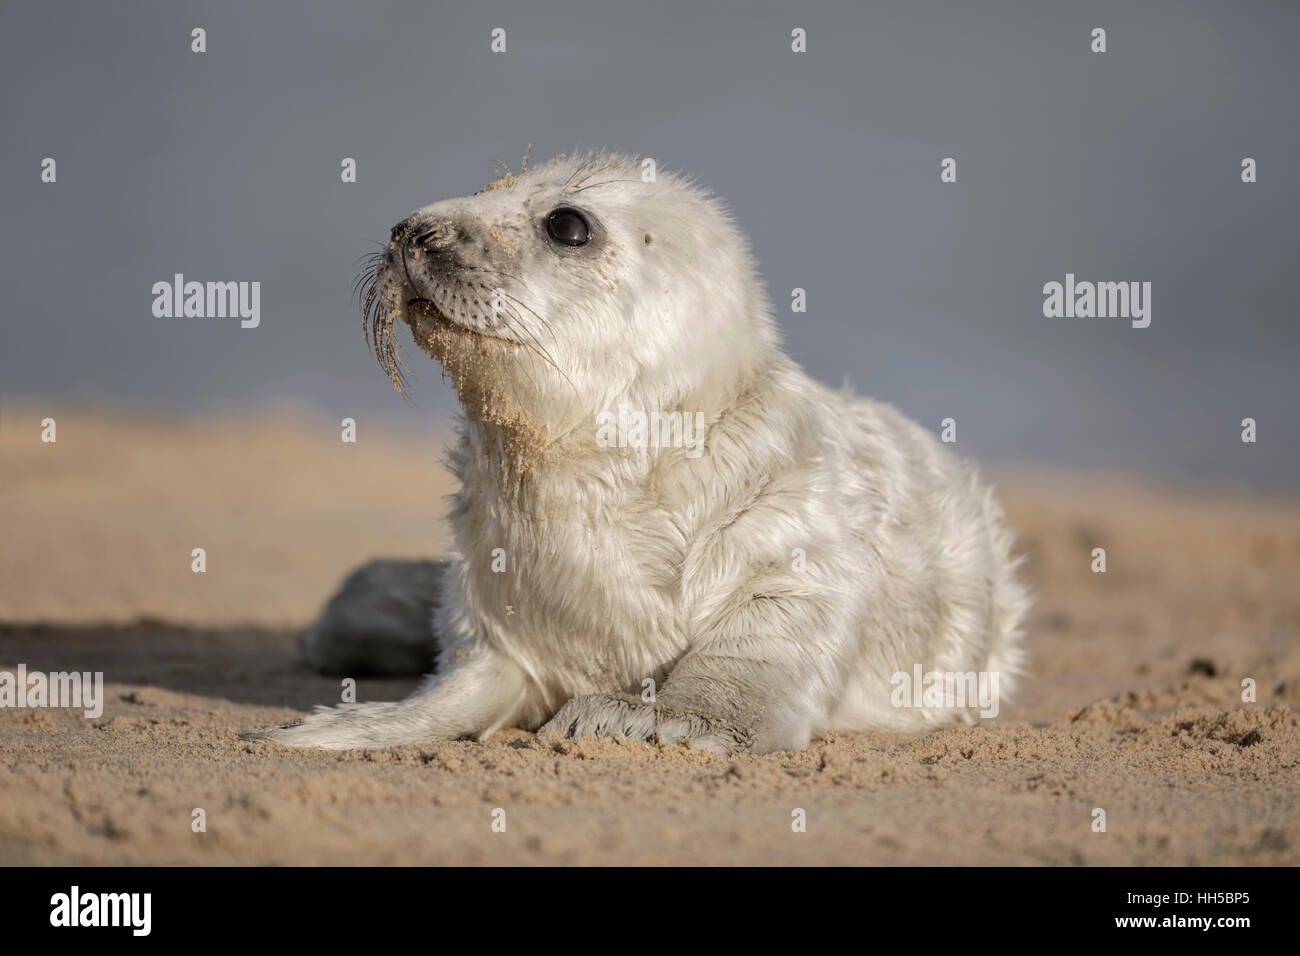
{"points": [[567, 226]]}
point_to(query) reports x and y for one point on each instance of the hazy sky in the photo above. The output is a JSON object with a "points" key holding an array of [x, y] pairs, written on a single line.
{"points": [[1120, 166]]}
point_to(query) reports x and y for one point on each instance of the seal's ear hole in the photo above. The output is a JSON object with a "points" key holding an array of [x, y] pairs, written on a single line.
{"points": [[647, 239]]}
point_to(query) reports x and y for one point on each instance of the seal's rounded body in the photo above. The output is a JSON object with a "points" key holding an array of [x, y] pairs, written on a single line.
{"points": [[781, 569]]}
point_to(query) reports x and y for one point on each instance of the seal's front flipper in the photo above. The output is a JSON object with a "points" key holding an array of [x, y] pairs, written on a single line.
{"points": [[622, 715]]}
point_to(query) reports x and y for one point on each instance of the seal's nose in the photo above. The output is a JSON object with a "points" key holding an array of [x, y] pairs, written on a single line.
{"points": [[397, 239], [420, 234], [400, 240], [402, 231]]}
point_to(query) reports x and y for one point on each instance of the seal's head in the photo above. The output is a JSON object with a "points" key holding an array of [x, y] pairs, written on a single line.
{"points": [[568, 289]]}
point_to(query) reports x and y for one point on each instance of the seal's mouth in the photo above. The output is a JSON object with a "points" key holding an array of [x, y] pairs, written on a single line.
{"points": [[422, 315], [424, 309], [386, 298]]}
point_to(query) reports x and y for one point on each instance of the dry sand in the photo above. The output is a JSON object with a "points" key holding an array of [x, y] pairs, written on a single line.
{"points": [[1134, 705]]}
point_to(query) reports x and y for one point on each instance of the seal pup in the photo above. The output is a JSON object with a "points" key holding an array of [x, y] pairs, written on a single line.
{"points": [[745, 595]]}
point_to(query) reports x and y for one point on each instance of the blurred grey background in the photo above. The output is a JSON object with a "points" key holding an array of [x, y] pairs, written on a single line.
{"points": [[1115, 166]]}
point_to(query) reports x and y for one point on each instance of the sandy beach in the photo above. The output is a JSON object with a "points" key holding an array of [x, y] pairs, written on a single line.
{"points": [[1134, 704]]}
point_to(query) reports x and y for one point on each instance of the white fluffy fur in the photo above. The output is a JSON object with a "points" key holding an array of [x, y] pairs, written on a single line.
{"points": [[623, 564]]}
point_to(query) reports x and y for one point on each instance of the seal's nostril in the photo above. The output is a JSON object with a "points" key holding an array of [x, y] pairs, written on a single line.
{"points": [[426, 237], [403, 231]]}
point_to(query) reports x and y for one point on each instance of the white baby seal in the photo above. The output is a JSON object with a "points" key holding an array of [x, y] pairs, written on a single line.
{"points": [[665, 530]]}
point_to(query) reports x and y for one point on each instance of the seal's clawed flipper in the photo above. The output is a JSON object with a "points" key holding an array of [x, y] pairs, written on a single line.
{"points": [[379, 623], [623, 715]]}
